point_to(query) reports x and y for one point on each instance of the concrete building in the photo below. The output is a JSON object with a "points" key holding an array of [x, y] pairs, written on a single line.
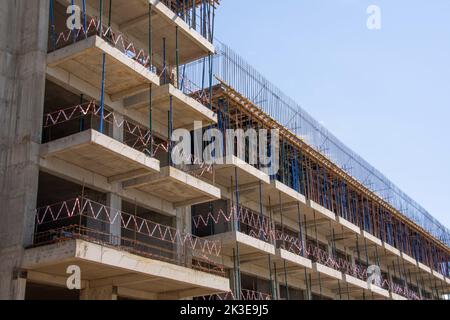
{"points": [[88, 183]]}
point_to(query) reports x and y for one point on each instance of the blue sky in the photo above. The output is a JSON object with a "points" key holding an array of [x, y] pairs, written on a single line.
{"points": [[386, 93]]}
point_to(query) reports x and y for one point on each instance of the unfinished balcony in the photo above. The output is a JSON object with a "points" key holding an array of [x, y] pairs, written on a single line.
{"points": [[185, 109], [296, 266], [102, 59], [347, 278], [251, 233], [389, 254], [74, 136], [342, 229], [114, 248], [280, 198], [235, 174], [171, 22], [176, 186], [181, 184]]}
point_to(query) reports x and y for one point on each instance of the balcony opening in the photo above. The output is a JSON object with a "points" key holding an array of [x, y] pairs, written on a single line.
{"points": [[67, 211], [220, 217]]}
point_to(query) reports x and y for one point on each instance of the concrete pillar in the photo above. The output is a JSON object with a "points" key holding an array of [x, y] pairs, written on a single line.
{"points": [[303, 239], [19, 285], [115, 228], [116, 131], [353, 259], [278, 290], [103, 293], [23, 53], [233, 280], [184, 224]]}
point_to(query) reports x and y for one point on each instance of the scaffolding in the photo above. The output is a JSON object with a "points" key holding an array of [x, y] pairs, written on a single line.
{"points": [[243, 78]]}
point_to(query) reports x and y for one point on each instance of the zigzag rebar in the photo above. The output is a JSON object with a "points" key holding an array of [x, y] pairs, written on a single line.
{"points": [[117, 40], [92, 210]]}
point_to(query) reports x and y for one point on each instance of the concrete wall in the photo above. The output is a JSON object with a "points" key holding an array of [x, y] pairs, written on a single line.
{"points": [[23, 43]]}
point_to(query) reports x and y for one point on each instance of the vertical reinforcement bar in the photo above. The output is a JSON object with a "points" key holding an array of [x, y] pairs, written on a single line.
{"points": [[102, 98], [236, 178], [177, 58], [150, 65]]}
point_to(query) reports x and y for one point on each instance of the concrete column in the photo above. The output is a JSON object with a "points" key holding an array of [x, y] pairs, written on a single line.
{"points": [[115, 131], [103, 293], [23, 53], [232, 276], [303, 239], [330, 248], [19, 285], [115, 228], [184, 224], [278, 289], [353, 259]]}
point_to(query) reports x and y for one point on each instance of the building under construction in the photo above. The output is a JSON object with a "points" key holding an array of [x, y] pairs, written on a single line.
{"points": [[88, 180]]}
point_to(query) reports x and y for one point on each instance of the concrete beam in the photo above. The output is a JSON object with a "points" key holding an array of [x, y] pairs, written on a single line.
{"points": [[379, 291], [176, 186], [81, 176], [349, 226], [110, 259], [323, 212], [186, 110], [327, 271], [96, 152], [83, 59], [295, 259]]}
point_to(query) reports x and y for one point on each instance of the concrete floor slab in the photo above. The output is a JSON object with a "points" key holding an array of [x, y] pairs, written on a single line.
{"points": [[83, 59], [327, 271], [390, 250], [397, 297], [250, 248], [321, 212], [378, 292], [102, 266], [372, 239], [294, 261], [438, 275], [354, 288], [411, 262], [186, 110], [348, 226], [133, 21], [280, 196], [249, 177], [356, 282], [424, 267], [175, 186], [100, 154]]}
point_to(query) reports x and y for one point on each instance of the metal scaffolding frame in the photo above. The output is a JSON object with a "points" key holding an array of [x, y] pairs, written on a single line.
{"points": [[240, 75]]}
